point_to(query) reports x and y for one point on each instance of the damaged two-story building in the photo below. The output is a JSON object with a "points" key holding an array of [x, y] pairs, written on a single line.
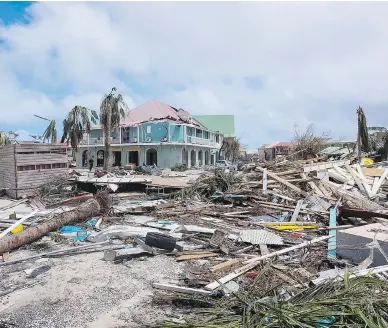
{"points": [[154, 133]]}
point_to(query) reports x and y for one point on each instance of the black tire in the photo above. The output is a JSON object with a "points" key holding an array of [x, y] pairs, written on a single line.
{"points": [[159, 240]]}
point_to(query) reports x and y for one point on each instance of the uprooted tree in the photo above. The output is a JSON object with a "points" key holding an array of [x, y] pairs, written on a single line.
{"points": [[306, 144]]}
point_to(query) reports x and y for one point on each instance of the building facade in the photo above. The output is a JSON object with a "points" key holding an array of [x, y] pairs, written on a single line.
{"points": [[154, 133]]}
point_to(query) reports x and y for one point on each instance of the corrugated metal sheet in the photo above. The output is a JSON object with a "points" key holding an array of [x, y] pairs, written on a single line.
{"points": [[257, 237]]}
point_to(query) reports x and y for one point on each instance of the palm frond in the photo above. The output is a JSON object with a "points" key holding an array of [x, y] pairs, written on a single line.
{"points": [[4, 140], [50, 134], [76, 123]]}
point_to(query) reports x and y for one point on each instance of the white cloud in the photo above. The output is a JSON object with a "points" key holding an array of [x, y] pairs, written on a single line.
{"points": [[317, 61]]}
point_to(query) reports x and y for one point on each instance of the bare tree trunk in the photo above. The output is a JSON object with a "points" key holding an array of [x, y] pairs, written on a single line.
{"points": [[108, 131], [87, 209]]}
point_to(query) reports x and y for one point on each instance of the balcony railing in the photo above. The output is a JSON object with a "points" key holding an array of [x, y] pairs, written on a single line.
{"points": [[116, 140], [99, 141], [200, 141]]}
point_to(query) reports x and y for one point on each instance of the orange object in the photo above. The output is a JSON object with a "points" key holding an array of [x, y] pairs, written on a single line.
{"points": [[251, 274]]}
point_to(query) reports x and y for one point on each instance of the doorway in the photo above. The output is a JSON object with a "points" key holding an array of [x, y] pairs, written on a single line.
{"points": [[100, 158], [151, 157], [133, 157], [117, 158], [85, 158]]}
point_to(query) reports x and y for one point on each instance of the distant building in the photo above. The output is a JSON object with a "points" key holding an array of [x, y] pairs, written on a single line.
{"points": [[221, 123], [154, 133], [271, 151]]}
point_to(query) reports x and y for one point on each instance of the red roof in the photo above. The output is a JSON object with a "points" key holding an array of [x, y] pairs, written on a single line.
{"points": [[155, 110], [279, 144]]}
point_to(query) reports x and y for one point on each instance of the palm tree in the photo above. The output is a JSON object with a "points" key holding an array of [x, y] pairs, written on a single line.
{"points": [[76, 123], [4, 140], [50, 134], [111, 111]]}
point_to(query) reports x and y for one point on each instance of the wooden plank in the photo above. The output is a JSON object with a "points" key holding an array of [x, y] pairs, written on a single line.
{"points": [[336, 176], [282, 181], [313, 186], [195, 256], [252, 263], [225, 265], [265, 181], [179, 289], [20, 221], [372, 172], [356, 179], [324, 166], [297, 210]]}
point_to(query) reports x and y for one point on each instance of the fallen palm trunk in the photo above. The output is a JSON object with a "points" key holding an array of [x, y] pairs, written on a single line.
{"points": [[87, 209]]}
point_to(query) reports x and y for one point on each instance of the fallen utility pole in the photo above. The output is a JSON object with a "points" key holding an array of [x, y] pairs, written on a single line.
{"points": [[87, 209]]}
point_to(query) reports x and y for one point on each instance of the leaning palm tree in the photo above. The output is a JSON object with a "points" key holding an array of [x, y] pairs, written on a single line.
{"points": [[76, 123], [50, 134], [363, 140], [111, 111], [4, 140]]}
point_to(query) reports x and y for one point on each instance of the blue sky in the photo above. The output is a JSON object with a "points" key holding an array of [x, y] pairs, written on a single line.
{"points": [[272, 65]]}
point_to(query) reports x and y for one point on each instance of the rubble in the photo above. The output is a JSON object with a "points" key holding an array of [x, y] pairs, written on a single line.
{"points": [[265, 246]]}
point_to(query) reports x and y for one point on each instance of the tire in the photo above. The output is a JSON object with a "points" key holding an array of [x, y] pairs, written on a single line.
{"points": [[159, 240]]}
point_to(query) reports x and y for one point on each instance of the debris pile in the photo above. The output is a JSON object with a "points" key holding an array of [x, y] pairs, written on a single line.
{"points": [[290, 244]]}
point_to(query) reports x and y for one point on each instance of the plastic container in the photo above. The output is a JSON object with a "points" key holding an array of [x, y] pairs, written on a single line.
{"points": [[17, 229]]}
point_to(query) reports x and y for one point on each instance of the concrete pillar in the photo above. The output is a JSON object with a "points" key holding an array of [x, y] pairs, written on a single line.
{"points": [[189, 158]]}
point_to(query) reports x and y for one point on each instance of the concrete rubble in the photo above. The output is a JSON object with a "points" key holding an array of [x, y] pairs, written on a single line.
{"points": [[271, 232]]}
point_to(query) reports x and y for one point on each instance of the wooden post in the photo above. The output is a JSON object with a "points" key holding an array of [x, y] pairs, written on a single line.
{"points": [[265, 181]]}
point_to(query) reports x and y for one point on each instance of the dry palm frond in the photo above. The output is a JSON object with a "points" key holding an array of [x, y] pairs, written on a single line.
{"points": [[4, 140], [357, 302], [207, 185], [51, 132]]}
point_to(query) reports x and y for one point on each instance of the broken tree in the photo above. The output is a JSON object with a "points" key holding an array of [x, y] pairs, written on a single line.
{"points": [[87, 209]]}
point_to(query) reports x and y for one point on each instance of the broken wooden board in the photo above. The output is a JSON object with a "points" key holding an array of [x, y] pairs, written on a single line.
{"points": [[225, 265], [297, 210], [252, 263], [282, 181], [195, 256], [372, 172], [179, 289]]}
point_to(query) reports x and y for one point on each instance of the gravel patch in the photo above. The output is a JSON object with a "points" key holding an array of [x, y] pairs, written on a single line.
{"points": [[84, 291]]}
